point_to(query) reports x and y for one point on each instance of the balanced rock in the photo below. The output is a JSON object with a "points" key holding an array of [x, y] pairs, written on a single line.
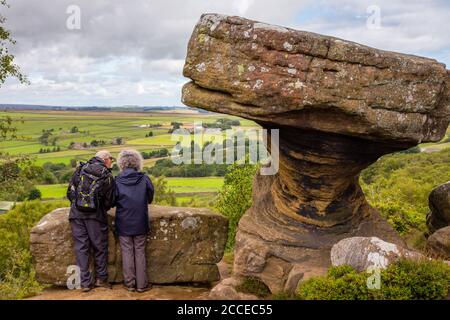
{"points": [[184, 245], [438, 244], [338, 105], [363, 253], [439, 203]]}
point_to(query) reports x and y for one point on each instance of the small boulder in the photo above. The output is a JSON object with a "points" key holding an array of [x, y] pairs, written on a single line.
{"points": [[439, 243], [368, 252], [439, 203]]}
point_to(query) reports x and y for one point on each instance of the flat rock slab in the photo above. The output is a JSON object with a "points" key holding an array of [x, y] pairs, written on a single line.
{"points": [[184, 245]]}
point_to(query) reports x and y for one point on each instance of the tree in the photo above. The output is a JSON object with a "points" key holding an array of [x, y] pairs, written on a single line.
{"points": [[34, 194], [7, 128], [73, 163], [163, 194], [46, 138], [7, 66], [7, 69]]}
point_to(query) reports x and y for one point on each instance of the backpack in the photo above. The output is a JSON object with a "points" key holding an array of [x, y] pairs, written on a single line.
{"points": [[88, 188]]}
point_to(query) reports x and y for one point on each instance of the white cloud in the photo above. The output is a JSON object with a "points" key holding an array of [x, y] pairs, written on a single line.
{"points": [[133, 53]]}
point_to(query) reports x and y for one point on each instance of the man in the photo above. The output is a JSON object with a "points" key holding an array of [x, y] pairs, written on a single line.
{"points": [[91, 194]]}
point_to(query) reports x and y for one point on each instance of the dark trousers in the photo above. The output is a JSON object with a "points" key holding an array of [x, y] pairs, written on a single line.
{"points": [[133, 261], [90, 234]]}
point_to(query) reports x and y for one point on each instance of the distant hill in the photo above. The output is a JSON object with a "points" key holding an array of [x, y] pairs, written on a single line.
{"points": [[95, 108]]}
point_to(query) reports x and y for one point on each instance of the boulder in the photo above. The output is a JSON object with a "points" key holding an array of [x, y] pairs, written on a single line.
{"points": [[438, 244], [338, 105], [184, 245], [439, 203], [363, 253]]}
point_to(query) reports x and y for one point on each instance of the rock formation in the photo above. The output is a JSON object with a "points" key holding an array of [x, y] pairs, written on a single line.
{"points": [[185, 244], [439, 203], [339, 107]]}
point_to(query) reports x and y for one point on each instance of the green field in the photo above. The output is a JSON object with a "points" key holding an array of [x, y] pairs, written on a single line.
{"points": [[183, 186], [97, 126]]}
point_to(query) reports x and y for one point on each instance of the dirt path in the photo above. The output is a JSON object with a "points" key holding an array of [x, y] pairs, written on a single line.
{"points": [[119, 293], [158, 292]]}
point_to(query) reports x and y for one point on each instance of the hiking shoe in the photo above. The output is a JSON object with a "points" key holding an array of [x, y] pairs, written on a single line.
{"points": [[86, 290], [149, 287], [103, 284]]}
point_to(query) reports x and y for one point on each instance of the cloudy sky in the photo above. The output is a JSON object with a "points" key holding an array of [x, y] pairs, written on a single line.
{"points": [[132, 52]]}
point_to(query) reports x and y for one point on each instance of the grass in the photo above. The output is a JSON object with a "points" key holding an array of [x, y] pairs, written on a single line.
{"points": [[53, 191], [189, 186]]}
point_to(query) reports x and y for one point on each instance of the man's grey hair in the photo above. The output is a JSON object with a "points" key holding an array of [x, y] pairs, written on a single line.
{"points": [[103, 154], [130, 158]]}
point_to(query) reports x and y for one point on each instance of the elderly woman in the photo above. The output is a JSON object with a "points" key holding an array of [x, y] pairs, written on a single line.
{"points": [[134, 191]]}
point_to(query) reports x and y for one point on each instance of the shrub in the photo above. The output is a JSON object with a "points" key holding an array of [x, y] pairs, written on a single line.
{"points": [[403, 280], [34, 194], [17, 278], [235, 197]]}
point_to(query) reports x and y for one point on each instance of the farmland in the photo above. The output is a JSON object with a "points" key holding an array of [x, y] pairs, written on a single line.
{"points": [[66, 128], [100, 126]]}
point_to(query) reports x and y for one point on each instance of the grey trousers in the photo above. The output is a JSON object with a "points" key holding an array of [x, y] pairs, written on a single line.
{"points": [[134, 262], [90, 234]]}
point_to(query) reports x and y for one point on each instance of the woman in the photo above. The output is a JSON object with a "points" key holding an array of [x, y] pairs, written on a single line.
{"points": [[134, 191]]}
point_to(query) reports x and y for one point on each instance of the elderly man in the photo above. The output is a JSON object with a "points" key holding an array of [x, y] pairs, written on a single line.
{"points": [[91, 194]]}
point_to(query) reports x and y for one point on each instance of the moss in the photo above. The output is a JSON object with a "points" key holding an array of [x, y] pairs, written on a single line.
{"points": [[255, 286]]}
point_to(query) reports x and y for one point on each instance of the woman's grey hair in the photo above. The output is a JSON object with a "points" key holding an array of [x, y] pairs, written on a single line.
{"points": [[130, 159]]}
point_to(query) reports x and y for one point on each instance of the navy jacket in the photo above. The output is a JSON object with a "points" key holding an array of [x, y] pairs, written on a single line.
{"points": [[106, 195], [133, 193]]}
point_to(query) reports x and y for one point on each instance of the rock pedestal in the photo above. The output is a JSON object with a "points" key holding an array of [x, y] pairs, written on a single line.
{"points": [[339, 106], [184, 245]]}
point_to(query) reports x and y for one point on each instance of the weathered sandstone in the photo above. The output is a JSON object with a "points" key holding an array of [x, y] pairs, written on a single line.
{"points": [[339, 106]]}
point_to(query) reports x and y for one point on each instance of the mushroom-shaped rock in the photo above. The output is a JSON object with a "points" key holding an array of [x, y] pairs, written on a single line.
{"points": [[338, 106], [184, 245]]}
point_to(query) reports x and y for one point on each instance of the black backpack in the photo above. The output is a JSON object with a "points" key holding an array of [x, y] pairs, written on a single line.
{"points": [[88, 188]]}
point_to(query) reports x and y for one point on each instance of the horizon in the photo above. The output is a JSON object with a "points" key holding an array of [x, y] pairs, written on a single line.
{"points": [[2, 105]]}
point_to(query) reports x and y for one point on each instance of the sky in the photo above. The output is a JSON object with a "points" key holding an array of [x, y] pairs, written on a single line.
{"points": [[132, 52]]}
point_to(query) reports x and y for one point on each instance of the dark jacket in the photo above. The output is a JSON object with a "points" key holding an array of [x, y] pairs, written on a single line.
{"points": [[134, 192], [106, 194]]}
